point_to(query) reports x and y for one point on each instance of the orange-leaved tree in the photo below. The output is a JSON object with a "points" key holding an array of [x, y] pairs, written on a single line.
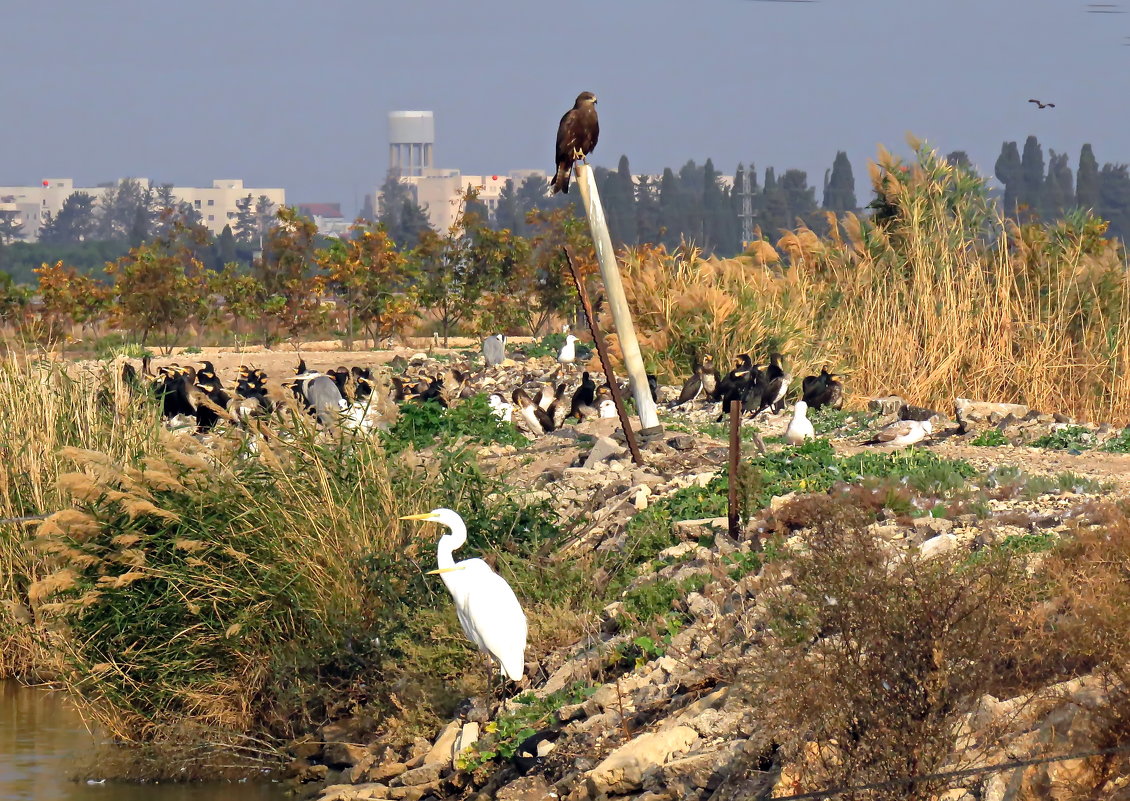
{"points": [[243, 298], [292, 291], [160, 286], [472, 260], [71, 297], [376, 282]]}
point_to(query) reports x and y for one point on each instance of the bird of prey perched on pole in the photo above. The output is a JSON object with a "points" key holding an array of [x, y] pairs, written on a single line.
{"points": [[576, 138]]}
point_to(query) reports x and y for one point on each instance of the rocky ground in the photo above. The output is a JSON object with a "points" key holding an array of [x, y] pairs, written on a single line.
{"points": [[666, 723]]}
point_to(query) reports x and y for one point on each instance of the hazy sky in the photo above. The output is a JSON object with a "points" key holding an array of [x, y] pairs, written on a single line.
{"points": [[297, 94]]}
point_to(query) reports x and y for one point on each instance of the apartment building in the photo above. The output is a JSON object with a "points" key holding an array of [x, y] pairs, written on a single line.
{"points": [[32, 206]]}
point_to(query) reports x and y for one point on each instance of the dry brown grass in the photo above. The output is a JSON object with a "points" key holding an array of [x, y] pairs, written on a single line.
{"points": [[44, 408], [944, 299]]}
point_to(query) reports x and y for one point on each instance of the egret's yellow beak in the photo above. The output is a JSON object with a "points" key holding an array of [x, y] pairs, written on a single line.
{"points": [[437, 571], [421, 516]]}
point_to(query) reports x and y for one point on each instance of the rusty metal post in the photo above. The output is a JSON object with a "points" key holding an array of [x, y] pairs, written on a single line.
{"points": [[602, 351], [735, 455]]}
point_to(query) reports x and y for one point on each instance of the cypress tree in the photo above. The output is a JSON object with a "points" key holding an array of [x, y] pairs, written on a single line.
{"points": [[713, 211], [225, 246], [647, 211], [1114, 199], [775, 207], [1087, 180], [670, 210], [1031, 175], [800, 198], [839, 189], [506, 210], [1057, 194], [618, 192], [1007, 170]]}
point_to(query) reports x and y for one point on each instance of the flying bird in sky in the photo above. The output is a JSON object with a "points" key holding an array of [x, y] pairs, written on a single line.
{"points": [[576, 138], [1041, 105]]}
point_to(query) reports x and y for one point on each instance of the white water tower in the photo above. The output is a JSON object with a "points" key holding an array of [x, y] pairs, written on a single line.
{"points": [[411, 137]]}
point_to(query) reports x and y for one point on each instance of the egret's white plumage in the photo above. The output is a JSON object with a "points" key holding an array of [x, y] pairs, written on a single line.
{"points": [[568, 353], [485, 604], [800, 427]]}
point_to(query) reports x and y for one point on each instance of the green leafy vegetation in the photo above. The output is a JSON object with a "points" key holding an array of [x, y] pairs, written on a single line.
{"points": [[503, 735], [989, 438], [421, 424], [841, 422], [551, 344], [1068, 438], [654, 598], [1119, 443]]}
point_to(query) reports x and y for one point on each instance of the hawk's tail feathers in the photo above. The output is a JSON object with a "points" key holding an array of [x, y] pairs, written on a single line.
{"points": [[560, 181]]}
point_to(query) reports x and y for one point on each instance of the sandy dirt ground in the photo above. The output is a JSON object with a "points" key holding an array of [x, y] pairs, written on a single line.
{"points": [[281, 361]]}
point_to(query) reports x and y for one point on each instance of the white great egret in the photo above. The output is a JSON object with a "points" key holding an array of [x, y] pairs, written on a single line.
{"points": [[487, 608]]}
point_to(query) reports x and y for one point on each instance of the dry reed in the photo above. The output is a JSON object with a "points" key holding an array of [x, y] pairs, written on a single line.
{"points": [[934, 297]]}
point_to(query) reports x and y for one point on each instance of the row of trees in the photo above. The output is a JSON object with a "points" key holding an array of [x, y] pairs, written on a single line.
{"points": [[1045, 192], [694, 204], [89, 231], [362, 284]]}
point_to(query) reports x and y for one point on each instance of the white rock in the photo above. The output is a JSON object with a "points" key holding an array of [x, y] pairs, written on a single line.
{"points": [[936, 546], [622, 771]]}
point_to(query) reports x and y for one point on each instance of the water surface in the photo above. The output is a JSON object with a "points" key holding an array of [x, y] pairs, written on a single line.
{"points": [[43, 741]]}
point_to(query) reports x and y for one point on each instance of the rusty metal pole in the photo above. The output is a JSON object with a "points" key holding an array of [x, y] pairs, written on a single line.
{"points": [[602, 351], [735, 454]]}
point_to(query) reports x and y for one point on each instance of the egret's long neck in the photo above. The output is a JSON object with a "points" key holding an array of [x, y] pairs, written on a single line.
{"points": [[449, 543]]}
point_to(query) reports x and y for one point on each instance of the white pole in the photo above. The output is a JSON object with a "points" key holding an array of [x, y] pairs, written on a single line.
{"points": [[614, 291]]}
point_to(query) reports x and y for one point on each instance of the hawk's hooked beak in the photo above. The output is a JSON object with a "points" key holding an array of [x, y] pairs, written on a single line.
{"points": [[421, 516]]}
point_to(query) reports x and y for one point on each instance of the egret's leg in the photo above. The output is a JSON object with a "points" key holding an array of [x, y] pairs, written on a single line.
{"points": [[490, 686]]}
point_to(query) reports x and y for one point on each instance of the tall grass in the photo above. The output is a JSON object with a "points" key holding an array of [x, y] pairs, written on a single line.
{"points": [[43, 409], [241, 588], [209, 589], [935, 296]]}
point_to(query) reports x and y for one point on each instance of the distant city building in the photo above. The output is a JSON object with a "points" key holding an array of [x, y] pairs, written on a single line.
{"points": [[439, 191], [327, 216], [32, 206]]}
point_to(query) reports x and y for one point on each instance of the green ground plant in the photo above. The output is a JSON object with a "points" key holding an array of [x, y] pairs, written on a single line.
{"points": [[989, 438], [503, 736], [843, 422], [1075, 438], [1119, 443], [421, 425]]}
